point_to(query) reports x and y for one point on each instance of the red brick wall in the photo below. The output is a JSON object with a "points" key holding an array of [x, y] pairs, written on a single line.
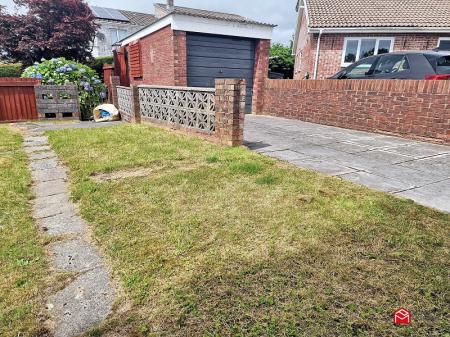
{"points": [[331, 49], [260, 73], [180, 58], [415, 109], [163, 58]]}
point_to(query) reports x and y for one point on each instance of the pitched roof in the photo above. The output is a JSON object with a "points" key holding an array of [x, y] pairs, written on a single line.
{"points": [[209, 14], [133, 18], [378, 13], [139, 19]]}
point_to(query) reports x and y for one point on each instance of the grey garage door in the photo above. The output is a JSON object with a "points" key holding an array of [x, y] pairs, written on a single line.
{"points": [[210, 57]]}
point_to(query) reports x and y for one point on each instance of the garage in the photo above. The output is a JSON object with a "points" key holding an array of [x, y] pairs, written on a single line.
{"points": [[188, 47], [211, 56]]}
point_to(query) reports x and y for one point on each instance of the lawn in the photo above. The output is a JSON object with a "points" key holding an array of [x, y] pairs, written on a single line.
{"points": [[22, 260], [217, 241]]}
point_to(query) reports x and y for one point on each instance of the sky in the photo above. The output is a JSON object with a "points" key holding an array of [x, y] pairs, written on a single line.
{"points": [[281, 13]]}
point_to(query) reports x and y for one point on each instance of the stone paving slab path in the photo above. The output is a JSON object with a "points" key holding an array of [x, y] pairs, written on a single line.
{"points": [[88, 299], [406, 168]]}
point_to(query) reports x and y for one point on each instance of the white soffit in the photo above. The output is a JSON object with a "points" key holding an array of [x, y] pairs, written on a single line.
{"points": [[221, 27]]}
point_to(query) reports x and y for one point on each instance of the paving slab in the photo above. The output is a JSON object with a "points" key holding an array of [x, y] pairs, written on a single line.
{"points": [[75, 255], [434, 195], [56, 173], [287, 155], [39, 148], [44, 164], [420, 150], [34, 143], [65, 223], [84, 303], [42, 155], [324, 166], [384, 157], [33, 138], [377, 182], [48, 188], [387, 163], [50, 210]]}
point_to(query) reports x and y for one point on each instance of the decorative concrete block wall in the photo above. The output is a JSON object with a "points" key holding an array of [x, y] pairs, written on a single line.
{"points": [[57, 101], [128, 104], [216, 114]]}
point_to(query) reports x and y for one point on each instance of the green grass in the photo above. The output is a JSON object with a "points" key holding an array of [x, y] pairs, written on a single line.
{"points": [[22, 260], [225, 242]]}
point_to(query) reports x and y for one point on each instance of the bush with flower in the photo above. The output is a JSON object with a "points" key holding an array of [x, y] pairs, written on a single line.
{"points": [[59, 71]]}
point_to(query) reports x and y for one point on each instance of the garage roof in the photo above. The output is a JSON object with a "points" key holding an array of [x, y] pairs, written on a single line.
{"points": [[209, 14]]}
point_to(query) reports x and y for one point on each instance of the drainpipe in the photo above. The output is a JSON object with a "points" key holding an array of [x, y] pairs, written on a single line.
{"points": [[316, 64]]}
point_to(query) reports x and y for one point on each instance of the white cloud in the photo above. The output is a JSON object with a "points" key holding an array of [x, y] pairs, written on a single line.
{"points": [[270, 11]]}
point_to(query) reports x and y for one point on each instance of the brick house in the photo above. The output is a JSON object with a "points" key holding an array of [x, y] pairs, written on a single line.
{"points": [[331, 35], [192, 47]]}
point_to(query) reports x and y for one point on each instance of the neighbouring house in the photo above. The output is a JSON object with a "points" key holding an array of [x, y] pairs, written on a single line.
{"points": [[116, 24], [331, 35], [193, 47]]}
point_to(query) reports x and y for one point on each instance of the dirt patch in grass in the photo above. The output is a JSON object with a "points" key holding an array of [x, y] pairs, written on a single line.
{"points": [[151, 172], [249, 246], [131, 173]]}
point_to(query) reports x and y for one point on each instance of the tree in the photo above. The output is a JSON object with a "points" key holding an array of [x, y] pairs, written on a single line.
{"points": [[48, 29], [281, 60]]}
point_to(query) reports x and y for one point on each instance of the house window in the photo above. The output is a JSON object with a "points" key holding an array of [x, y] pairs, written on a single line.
{"points": [[358, 48], [444, 43], [117, 34]]}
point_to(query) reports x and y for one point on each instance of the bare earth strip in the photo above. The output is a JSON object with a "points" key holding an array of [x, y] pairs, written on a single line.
{"points": [[88, 299]]}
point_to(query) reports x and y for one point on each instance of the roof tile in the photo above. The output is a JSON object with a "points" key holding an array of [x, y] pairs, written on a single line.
{"points": [[379, 13], [210, 14]]}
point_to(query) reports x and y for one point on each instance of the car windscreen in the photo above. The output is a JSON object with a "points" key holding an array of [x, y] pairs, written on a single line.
{"points": [[441, 64]]}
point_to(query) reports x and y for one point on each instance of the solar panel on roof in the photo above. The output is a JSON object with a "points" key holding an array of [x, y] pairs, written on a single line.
{"points": [[108, 14]]}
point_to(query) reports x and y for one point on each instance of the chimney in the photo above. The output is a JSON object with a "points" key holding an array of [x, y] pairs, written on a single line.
{"points": [[170, 5]]}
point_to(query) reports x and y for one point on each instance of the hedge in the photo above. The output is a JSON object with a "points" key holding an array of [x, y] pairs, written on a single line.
{"points": [[10, 69], [97, 64]]}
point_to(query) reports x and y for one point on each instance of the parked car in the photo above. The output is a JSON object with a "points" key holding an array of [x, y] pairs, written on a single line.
{"points": [[429, 65]]}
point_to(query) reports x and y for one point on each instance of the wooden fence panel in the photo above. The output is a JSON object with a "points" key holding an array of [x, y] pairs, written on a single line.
{"points": [[17, 99]]}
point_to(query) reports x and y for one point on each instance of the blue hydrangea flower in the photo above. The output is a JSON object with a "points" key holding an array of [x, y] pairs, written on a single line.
{"points": [[39, 76], [103, 94], [82, 70]]}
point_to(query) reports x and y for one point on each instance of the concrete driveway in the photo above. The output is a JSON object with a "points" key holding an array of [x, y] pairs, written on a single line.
{"points": [[411, 169]]}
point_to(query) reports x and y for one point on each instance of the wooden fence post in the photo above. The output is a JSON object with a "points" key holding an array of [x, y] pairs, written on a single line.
{"points": [[115, 81]]}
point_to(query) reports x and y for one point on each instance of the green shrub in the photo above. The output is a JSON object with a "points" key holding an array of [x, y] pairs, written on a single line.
{"points": [[97, 64], [60, 71], [10, 70]]}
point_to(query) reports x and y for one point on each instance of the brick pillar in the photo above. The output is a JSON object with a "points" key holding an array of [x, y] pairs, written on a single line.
{"points": [[260, 75], [230, 111], [180, 58], [135, 105], [115, 81]]}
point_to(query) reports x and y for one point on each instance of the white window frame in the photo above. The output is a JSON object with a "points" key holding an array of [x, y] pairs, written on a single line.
{"points": [[359, 39], [442, 39]]}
